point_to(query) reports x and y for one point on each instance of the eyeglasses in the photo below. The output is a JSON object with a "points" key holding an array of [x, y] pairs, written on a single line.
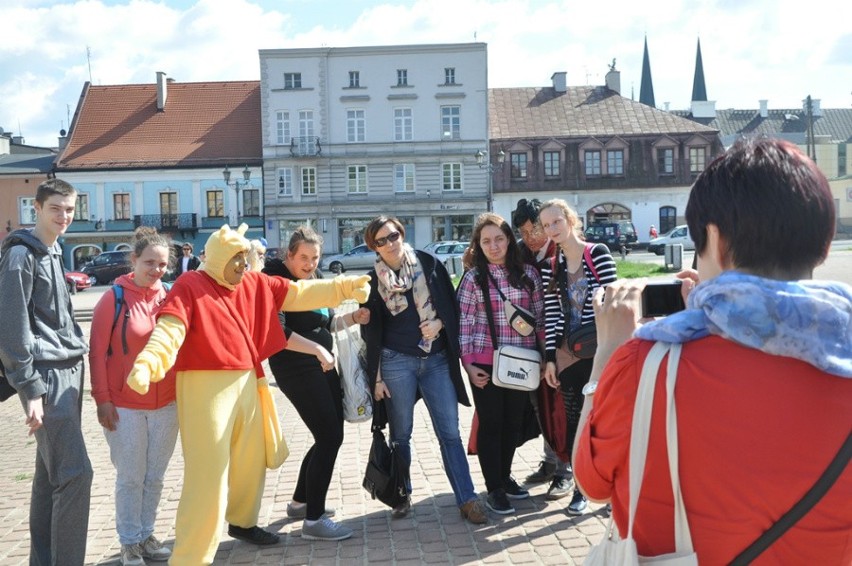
{"points": [[392, 237]]}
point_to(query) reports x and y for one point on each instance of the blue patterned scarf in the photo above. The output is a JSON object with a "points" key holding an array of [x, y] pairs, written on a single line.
{"points": [[807, 320]]}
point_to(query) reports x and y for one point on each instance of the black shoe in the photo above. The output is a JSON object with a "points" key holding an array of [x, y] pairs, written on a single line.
{"points": [[402, 509], [513, 490], [254, 535], [559, 488], [542, 474], [578, 504], [499, 503]]}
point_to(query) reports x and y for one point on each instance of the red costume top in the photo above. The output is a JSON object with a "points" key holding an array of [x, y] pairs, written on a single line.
{"points": [[219, 321], [755, 432]]}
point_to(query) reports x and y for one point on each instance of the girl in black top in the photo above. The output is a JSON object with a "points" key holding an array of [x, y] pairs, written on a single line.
{"points": [[305, 373]]}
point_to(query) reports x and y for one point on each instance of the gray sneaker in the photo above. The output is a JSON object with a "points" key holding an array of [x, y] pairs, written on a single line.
{"points": [[325, 529], [131, 555], [153, 549], [298, 512]]}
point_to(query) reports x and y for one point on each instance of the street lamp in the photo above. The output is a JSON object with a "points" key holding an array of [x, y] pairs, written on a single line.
{"points": [[485, 163], [226, 175]]}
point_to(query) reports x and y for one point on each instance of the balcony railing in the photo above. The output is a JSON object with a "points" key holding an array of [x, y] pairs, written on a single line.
{"points": [[167, 222], [305, 146]]}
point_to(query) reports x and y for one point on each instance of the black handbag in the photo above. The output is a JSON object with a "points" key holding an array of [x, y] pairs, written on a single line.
{"points": [[386, 476], [6, 390], [583, 342]]}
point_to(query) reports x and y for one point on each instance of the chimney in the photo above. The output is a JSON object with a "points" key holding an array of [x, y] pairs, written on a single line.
{"points": [[17, 140], [162, 91], [764, 108], [703, 109], [62, 141], [816, 111], [613, 78], [558, 79]]}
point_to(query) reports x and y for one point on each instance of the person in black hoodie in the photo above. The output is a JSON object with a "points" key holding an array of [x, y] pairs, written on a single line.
{"points": [[306, 374], [413, 351], [42, 350]]}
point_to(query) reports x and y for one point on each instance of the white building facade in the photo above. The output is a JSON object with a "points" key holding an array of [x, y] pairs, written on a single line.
{"points": [[351, 133]]}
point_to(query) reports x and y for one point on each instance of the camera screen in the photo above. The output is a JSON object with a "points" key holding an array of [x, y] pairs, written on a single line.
{"points": [[662, 298]]}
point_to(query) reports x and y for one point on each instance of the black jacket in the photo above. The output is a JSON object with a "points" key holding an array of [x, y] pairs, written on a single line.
{"points": [[444, 300], [193, 264]]}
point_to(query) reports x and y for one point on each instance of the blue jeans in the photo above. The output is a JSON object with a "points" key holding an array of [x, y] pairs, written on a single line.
{"points": [[404, 376]]}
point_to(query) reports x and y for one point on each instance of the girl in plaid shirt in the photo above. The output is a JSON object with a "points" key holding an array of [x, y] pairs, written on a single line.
{"points": [[500, 410]]}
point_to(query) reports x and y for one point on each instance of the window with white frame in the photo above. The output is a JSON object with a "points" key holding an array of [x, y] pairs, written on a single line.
{"points": [[26, 211], [403, 124], [282, 127], [697, 159], [292, 80], [551, 163], [309, 181], [251, 202], [451, 176], [665, 161], [402, 77], [615, 162], [354, 79], [592, 159], [451, 122], [357, 179], [215, 204], [306, 132], [519, 165], [285, 182], [121, 206], [356, 125], [449, 76], [403, 178], [81, 210]]}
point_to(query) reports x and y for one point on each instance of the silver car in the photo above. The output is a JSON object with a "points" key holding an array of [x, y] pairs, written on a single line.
{"points": [[359, 257]]}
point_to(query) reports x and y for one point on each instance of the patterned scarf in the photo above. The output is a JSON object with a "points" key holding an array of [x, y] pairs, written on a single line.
{"points": [[806, 320], [393, 286]]}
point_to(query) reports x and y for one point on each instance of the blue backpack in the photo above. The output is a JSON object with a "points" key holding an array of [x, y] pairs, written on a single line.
{"points": [[118, 293]]}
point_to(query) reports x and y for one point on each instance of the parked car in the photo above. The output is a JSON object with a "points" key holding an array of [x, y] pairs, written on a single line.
{"points": [[449, 251], [104, 268], [359, 257], [77, 281], [430, 247], [677, 235], [614, 234]]}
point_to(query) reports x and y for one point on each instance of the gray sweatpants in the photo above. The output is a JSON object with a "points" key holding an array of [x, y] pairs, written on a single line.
{"points": [[59, 508]]}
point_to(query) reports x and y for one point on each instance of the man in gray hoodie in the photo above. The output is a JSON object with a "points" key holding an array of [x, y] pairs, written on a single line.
{"points": [[42, 350]]}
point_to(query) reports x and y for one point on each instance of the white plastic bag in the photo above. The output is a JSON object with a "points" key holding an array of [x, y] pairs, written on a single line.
{"points": [[357, 400]]}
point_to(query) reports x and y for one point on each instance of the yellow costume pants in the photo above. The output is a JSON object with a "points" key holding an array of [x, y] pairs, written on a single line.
{"points": [[221, 434]]}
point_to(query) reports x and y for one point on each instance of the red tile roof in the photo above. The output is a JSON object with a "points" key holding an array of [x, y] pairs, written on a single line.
{"points": [[203, 124]]}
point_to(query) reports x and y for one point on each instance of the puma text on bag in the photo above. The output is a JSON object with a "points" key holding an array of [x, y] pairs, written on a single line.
{"points": [[516, 368]]}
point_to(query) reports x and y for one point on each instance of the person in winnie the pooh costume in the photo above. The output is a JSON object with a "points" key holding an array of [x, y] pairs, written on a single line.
{"points": [[217, 326]]}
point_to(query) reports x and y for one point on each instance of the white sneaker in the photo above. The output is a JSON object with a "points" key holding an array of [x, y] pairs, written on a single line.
{"points": [[154, 549], [131, 555]]}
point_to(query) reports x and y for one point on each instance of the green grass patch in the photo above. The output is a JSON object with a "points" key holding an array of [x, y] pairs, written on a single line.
{"points": [[634, 270], [23, 477]]}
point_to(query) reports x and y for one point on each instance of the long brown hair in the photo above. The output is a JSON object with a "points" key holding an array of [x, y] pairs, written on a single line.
{"points": [[514, 259]]}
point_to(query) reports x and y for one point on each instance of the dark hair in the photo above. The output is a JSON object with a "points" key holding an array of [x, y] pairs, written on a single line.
{"points": [[52, 187], [772, 205], [376, 224], [526, 211], [145, 236], [189, 245], [514, 259], [303, 234]]}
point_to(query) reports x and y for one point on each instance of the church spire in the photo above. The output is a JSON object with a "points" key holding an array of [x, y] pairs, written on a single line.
{"points": [[646, 87], [699, 90]]}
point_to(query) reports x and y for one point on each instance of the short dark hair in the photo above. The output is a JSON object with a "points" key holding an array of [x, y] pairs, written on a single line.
{"points": [[771, 203], [52, 187], [526, 211], [376, 224]]}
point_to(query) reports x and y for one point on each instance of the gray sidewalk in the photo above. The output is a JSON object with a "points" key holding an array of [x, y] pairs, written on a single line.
{"points": [[539, 533]]}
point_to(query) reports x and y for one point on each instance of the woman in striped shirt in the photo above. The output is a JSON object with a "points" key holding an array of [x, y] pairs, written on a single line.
{"points": [[569, 281]]}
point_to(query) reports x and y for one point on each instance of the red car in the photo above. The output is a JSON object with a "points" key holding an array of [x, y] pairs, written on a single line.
{"points": [[77, 281]]}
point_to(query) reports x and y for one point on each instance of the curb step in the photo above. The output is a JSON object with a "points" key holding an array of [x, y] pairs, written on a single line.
{"points": [[83, 315]]}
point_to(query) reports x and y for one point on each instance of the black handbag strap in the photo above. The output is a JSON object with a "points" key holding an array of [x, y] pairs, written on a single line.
{"points": [[791, 517], [488, 312], [380, 416]]}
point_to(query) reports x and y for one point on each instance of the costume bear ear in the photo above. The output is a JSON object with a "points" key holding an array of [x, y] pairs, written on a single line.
{"points": [[242, 229]]}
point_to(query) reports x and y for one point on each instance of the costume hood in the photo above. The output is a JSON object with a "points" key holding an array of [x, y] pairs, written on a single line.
{"points": [[221, 246]]}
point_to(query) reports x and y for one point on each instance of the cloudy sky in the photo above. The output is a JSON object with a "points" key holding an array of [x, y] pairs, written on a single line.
{"points": [[780, 50]]}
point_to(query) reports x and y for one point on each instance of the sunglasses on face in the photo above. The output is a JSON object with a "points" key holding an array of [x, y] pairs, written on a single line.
{"points": [[392, 237]]}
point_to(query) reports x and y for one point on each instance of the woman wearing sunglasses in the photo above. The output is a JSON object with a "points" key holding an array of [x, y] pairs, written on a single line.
{"points": [[413, 351]]}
